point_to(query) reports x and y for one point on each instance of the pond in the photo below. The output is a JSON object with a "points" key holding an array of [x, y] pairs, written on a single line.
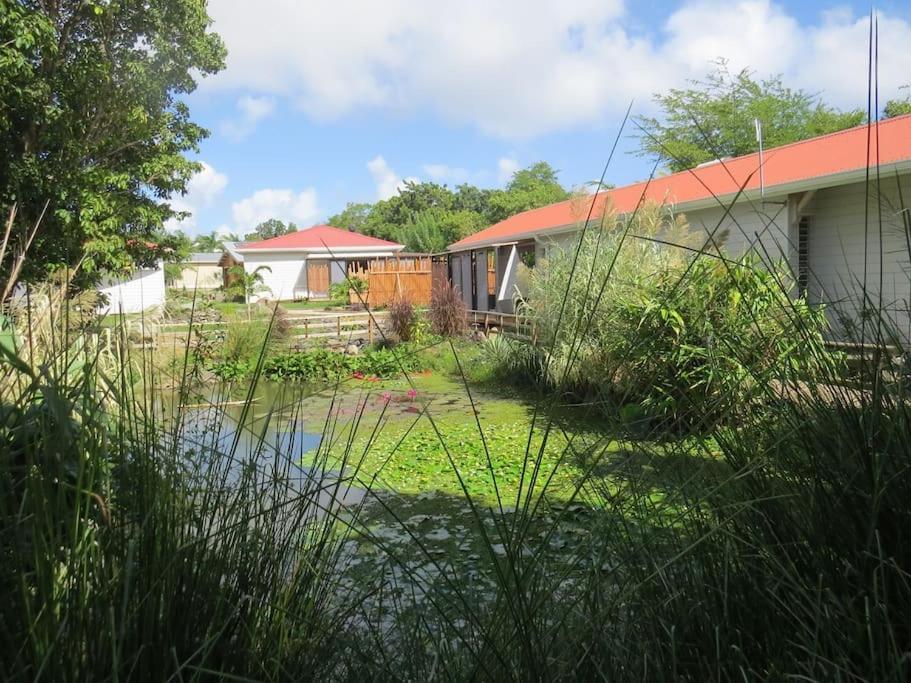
{"points": [[431, 503]]}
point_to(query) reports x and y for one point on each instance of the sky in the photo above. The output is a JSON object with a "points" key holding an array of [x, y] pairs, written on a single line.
{"points": [[326, 102]]}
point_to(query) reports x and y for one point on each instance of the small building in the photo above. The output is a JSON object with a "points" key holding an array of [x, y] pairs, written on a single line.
{"points": [[137, 292], [230, 258], [821, 205], [201, 270], [303, 264]]}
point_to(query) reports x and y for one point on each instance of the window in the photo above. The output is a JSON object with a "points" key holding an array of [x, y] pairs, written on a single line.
{"points": [[803, 255]]}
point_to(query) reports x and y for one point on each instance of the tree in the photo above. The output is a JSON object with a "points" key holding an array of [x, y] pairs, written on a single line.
{"points": [[269, 229], [245, 285], [353, 217], [93, 127], [530, 188], [715, 118], [211, 242], [426, 217], [431, 230], [900, 105]]}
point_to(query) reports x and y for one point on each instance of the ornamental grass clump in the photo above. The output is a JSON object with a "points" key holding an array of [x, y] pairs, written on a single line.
{"points": [[447, 313], [144, 533], [402, 318]]}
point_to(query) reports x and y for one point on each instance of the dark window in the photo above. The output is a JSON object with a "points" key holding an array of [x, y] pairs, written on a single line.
{"points": [[803, 255]]}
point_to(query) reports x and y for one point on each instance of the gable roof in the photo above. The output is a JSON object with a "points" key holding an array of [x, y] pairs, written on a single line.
{"points": [[204, 257], [320, 237], [825, 160]]}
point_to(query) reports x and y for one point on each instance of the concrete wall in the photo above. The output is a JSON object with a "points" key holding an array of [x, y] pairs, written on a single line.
{"points": [[287, 279], [837, 260], [200, 276], [144, 290]]}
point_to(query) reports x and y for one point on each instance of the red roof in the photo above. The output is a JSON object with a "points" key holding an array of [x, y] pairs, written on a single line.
{"points": [[818, 157], [321, 237]]}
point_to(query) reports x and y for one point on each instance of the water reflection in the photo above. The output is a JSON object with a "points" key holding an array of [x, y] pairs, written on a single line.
{"points": [[227, 438]]}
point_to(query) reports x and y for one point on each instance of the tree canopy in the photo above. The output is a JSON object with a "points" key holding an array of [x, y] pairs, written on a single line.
{"points": [[715, 118], [900, 105], [92, 125], [426, 217], [268, 229]]}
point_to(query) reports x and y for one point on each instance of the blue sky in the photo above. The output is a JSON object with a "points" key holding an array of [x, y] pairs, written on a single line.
{"points": [[328, 102]]}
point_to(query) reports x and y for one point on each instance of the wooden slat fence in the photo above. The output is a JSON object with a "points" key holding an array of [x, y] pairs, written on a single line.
{"points": [[388, 278]]}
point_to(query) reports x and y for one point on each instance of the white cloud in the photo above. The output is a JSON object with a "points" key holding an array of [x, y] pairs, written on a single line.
{"points": [[506, 167], [388, 183], [252, 111], [203, 189], [441, 173], [521, 68], [300, 207], [751, 33]]}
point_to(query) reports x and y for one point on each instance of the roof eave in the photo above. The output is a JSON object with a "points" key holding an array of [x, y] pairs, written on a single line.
{"points": [[717, 201], [321, 250]]}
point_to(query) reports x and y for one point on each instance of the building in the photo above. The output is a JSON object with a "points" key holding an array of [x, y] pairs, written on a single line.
{"points": [[822, 205], [303, 264], [142, 290], [201, 270]]}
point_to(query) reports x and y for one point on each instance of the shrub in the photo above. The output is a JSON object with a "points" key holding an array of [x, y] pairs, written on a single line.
{"points": [[704, 351], [402, 318], [326, 365], [691, 341], [245, 340], [339, 292], [447, 314]]}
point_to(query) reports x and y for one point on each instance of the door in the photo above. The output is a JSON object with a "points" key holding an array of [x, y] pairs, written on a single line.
{"points": [[318, 278]]}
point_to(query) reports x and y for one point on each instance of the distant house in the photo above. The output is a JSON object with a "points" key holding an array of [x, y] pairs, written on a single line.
{"points": [[819, 205], [302, 265], [230, 258], [140, 291], [201, 270]]}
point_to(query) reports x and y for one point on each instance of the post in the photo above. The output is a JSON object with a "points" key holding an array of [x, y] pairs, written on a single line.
{"points": [[338, 326], [370, 329], [306, 328]]}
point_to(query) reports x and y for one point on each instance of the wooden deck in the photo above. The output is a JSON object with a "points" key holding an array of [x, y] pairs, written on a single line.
{"points": [[505, 322]]}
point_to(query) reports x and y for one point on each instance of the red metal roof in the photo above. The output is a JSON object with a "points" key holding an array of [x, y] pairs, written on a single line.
{"points": [[321, 237], [826, 155]]}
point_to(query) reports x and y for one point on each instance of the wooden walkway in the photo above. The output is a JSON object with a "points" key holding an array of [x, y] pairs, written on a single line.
{"points": [[508, 323]]}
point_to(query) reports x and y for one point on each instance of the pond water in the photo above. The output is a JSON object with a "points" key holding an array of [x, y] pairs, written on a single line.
{"points": [[415, 530], [269, 430]]}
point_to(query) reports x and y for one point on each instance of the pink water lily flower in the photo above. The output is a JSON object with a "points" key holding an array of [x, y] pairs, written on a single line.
{"points": [[412, 394], [386, 396]]}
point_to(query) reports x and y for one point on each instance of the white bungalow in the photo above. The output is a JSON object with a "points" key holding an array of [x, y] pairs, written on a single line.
{"points": [[822, 205], [139, 291], [302, 265]]}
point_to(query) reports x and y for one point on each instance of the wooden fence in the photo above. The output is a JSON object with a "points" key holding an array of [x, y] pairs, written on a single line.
{"points": [[389, 278], [340, 327]]}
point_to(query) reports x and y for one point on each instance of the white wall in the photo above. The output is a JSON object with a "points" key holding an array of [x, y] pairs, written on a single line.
{"points": [[286, 278], [836, 255], [200, 276], [760, 228], [144, 290]]}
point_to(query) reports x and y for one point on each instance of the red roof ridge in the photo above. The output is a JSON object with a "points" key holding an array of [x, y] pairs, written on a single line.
{"points": [[324, 237]]}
